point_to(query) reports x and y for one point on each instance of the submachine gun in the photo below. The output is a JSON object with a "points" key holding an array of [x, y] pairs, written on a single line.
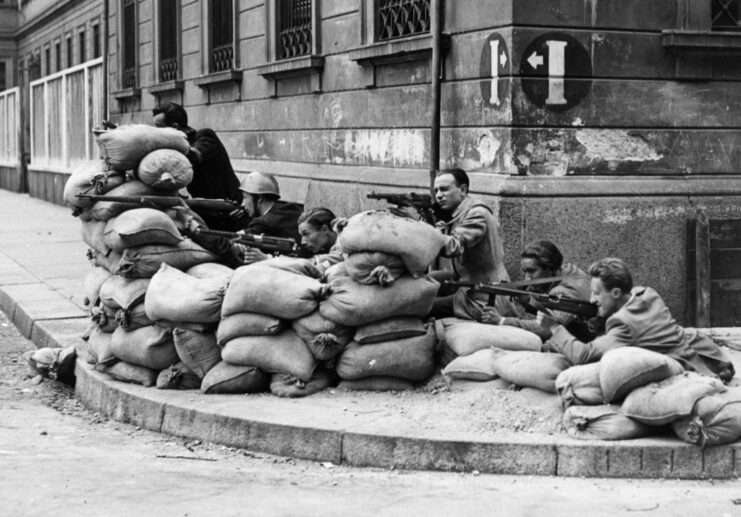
{"points": [[422, 203], [196, 204], [265, 243], [582, 308]]}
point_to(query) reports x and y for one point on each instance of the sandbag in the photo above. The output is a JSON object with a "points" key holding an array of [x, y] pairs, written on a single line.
{"points": [[132, 373], [374, 267], [108, 262], [123, 293], [661, 403], [534, 369], [478, 366], [175, 296], [715, 420], [410, 358], [178, 377], [229, 378], [90, 178], [247, 324], [99, 346], [144, 261], [352, 304], [624, 369], [377, 384], [124, 147], [139, 227], [197, 350], [105, 210], [211, 270], [133, 318], [272, 291], [416, 242], [324, 338], [579, 385], [396, 327], [165, 169], [604, 422], [93, 234], [288, 386], [280, 353], [104, 317], [335, 271], [152, 347], [463, 337], [300, 266], [92, 283]]}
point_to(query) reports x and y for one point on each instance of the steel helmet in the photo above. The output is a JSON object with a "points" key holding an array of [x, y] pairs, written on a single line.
{"points": [[259, 183]]}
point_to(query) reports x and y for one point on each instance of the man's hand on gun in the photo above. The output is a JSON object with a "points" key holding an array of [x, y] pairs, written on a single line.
{"points": [[490, 315]]}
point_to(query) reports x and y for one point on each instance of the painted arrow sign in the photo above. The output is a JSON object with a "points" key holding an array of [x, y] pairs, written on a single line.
{"points": [[494, 66]]}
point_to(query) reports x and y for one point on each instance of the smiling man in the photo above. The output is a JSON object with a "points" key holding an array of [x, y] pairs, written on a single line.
{"points": [[472, 243], [635, 316]]}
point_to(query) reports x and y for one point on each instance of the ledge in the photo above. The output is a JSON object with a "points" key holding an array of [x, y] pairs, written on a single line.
{"points": [[126, 94], [311, 65], [679, 41], [228, 76], [166, 87]]}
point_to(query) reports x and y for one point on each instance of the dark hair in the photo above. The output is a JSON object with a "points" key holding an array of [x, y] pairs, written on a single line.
{"points": [[546, 253], [613, 272], [174, 114], [318, 217], [460, 176]]}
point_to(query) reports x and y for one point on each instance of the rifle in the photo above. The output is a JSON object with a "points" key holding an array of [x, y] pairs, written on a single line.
{"points": [[582, 308], [197, 203], [422, 203], [273, 245]]}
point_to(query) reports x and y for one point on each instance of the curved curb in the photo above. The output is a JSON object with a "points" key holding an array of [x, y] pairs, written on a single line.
{"points": [[215, 418]]}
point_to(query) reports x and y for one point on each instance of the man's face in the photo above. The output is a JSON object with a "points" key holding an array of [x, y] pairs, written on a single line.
{"points": [[605, 299], [313, 239], [448, 193], [248, 202], [533, 270]]}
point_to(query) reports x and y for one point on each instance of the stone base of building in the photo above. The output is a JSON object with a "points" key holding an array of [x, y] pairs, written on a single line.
{"points": [[12, 178], [47, 185]]}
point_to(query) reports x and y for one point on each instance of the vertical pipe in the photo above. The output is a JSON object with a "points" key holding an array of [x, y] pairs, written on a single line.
{"points": [[106, 115], [436, 15]]}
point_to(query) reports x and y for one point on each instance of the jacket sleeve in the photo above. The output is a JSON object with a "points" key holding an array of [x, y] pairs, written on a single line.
{"points": [[204, 146], [466, 234], [581, 353]]}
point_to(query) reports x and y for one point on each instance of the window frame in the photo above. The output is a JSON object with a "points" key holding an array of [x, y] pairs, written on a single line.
{"points": [[81, 45], [234, 74], [69, 48], [157, 42], [96, 42]]}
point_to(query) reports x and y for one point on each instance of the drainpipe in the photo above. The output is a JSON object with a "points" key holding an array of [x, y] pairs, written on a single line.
{"points": [[106, 115], [436, 18]]}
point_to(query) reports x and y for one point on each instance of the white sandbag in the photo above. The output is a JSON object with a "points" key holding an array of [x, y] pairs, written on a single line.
{"points": [[300, 266], [151, 347], [132, 373], [198, 350], [99, 347], [460, 337], [123, 293], [233, 379], [715, 420], [211, 270], [93, 234], [124, 147], [145, 261], [165, 169], [105, 210], [175, 296], [579, 385], [534, 369], [396, 327], [335, 271], [108, 262], [324, 338], [602, 423], [90, 178], [92, 283], [416, 242], [104, 317], [139, 227], [247, 324], [133, 318], [352, 304], [661, 403], [624, 369], [375, 267], [272, 291], [478, 366]]}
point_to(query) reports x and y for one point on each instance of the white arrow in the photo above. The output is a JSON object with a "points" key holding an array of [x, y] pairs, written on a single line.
{"points": [[535, 60], [503, 60]]}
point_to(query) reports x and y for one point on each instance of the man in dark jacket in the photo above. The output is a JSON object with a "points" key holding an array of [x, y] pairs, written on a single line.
{"points": [[213, 176]]}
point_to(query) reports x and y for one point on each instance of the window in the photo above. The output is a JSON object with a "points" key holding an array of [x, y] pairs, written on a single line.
{"points": [[47, 60], [221, 35], [58, 52], [34, 67], [401, 18], [96, 41], [69, 51], [724, 15], [3, 83], [81, 38], [168, 40], [294, 28], [129, 44]]}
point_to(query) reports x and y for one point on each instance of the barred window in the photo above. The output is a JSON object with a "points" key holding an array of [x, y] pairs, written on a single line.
{"points": [[221, 35], [294, 28], [724, 15], [82, 46], [129, 44], [401, 18], [168, 40], [96, 41]]}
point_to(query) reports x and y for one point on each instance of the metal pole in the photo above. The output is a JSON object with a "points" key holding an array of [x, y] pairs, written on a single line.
{"points": [[436, 17]]}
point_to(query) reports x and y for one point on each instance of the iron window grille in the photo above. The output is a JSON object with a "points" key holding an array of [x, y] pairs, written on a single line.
{"points": [[401, 18], [724, 15], [129, 44], [294, 28], [168, 40], [221, 36]]}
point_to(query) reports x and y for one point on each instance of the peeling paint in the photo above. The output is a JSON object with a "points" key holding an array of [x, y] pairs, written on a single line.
{"points": [[615, 145], [626, 215], [400, 148]]}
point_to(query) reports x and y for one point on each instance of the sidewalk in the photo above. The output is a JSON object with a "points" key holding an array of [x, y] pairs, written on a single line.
{"points": [[42, 267]]}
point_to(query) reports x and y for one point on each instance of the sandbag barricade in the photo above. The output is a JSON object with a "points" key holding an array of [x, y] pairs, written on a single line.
{"points": [[533, 369], [624, 369], [132, 373], [151, 347], [144, 261], [99, 347], [133, 318], [123, 293], [379, 383], [108, 262], [124, 147], [93, 234], [604, 422], [478, 366], [197, 350], [288, 386], [247, 324], [165, 169], [175, 296], [225, 378], [139, 227], [106, 210], [279, 353], [580, 386], [91, 177], [324, 338], [396, 327], [300, 266], [211, 270], [95, 278], [374, 267], [178, 377], [715, 420]]}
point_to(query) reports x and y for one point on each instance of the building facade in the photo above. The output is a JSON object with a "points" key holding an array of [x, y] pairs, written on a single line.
{"points": [[607, 126]]}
